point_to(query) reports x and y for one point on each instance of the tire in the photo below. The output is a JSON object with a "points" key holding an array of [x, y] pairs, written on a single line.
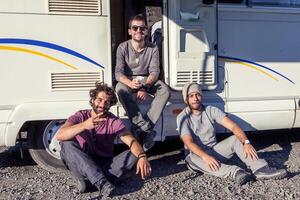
{"points": [[44, 150]]}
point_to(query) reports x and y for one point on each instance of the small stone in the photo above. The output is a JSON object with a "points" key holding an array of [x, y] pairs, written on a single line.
{"points": [[191, 192]]}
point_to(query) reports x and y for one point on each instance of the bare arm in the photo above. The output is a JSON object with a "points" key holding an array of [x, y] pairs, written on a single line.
{"points": [[152, 78], [193, 147], [239, 133], [68, 131], [135, 148], [234, 128], [142, 166], [153, 68], [123, 79]]}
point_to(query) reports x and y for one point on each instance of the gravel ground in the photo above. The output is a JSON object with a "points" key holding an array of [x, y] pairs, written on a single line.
{"points": [[23, 179]]}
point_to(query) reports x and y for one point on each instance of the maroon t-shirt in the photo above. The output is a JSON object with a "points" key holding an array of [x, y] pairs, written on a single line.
{"points": [[100, 140]]}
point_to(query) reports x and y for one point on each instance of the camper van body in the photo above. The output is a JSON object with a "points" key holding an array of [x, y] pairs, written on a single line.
{"points": [[246, 56]]}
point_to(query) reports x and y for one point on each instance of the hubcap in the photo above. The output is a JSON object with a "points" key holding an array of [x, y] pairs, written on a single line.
{"points": [[52, 145]]}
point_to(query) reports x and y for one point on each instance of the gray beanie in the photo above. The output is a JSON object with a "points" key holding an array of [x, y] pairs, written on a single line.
{"points": [[189, 88]]}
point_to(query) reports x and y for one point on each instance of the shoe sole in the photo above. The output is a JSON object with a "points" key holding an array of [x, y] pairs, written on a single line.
{"points": [[107, 192], [148, 147], [81, 185], [277, 177], [244, 180]]}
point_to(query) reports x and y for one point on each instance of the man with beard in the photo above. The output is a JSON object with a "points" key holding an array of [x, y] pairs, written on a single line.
{"points": [[137, 71], [87, 141], [196, 128]]}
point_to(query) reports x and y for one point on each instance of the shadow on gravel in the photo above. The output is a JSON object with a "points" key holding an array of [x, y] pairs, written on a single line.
{"points": [[165, 159], [264, 139], [283, 138], [168, 158], [168, 165], [11, 157]]}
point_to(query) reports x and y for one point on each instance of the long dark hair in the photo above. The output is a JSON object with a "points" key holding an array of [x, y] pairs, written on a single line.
{"points": [[102, 87]]}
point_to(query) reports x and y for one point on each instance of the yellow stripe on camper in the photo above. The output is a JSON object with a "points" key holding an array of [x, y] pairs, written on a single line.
{"points": [[12, 48], [250, 66]]}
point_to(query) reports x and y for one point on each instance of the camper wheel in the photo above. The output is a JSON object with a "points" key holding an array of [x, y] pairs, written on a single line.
{"points": [[43, 148]]}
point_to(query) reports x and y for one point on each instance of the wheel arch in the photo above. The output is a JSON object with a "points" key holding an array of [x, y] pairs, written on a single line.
{"points": [[28, 114]]}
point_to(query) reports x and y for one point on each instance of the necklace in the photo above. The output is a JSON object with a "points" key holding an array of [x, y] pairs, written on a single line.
{"points": [[137, 57], [137, 53]]}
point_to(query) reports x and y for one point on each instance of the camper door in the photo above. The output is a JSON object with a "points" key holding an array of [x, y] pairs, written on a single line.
{"points": [[192, 43]]}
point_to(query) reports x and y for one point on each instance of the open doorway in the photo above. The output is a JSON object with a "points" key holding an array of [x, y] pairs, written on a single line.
{"points": [[123, 10]]}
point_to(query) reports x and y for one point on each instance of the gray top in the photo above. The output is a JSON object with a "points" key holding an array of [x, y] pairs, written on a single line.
{"points": [[131, 63], [200, 127]]}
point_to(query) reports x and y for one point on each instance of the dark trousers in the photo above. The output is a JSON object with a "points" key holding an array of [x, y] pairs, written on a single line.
{"points": [[94, 168]]}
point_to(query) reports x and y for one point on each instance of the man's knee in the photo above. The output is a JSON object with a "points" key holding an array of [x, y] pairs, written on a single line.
{"points": [[68, 145], [192, 166], [163, 90], [69, 149], [122, 88], [232, 139], [194, 163]]}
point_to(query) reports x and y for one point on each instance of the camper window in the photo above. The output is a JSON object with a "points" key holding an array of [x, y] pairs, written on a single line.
{"points": [[278, 3]]}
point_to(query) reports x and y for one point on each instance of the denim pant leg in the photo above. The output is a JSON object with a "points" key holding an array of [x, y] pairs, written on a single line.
{"points": [[119, 165], [79, 162], [125, 95], [161, 94]]}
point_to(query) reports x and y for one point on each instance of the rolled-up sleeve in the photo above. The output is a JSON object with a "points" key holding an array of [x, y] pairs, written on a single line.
{"points": [[74, 119], [154, 63], [183, 125], [120, 63], [119, 127], [217, 114]]}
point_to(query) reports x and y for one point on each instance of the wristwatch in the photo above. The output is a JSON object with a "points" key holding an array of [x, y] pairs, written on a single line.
{"points": [[246, 142]]}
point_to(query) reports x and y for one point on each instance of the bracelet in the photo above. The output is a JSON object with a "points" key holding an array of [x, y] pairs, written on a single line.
{"points": [[141, 154], [131, 143]]}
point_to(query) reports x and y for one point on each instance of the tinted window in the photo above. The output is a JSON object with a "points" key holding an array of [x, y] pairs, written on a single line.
{"points": [[279, 3]]}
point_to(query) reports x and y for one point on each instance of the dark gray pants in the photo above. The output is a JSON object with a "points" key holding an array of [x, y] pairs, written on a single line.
{"points": [[83, 165], [146, 123]]}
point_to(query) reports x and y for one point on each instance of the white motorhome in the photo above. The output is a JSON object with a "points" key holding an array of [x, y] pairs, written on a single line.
{"points": [[245, 53]]}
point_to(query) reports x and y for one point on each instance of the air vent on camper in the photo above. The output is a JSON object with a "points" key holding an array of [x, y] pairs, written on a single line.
{"points": [[75, 81], [202, 77], [79, 7]]}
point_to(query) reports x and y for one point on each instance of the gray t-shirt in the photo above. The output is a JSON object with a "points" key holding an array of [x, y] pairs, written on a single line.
{"points": [[200, 127], [131, 63]]}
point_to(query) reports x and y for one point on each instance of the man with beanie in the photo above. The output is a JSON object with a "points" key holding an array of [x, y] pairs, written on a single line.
{"points": [[87, 141], [196, 128]]}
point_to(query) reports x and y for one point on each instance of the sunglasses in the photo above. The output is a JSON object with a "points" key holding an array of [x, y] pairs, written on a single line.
{"points": [[135, 28]]}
